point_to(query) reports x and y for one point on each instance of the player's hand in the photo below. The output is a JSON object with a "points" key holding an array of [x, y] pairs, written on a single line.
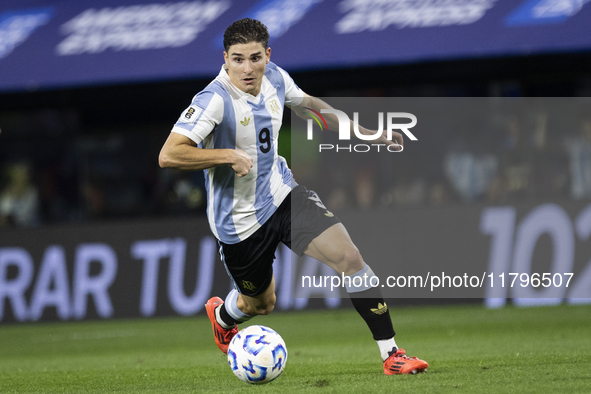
{"points": [[397, 140], [242, 163]]}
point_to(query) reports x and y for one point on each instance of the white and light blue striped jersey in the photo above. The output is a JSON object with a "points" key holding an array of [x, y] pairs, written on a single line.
{"points": [[224, 117]]}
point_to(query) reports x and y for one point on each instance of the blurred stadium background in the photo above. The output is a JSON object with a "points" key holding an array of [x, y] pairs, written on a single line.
{"points": [[91, 227]]}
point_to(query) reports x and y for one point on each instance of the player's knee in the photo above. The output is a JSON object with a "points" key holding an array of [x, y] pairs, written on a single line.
{"points": [[266, 308], [352, 261]]}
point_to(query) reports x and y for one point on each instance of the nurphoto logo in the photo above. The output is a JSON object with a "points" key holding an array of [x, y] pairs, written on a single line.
{"points": [[345, 130]]}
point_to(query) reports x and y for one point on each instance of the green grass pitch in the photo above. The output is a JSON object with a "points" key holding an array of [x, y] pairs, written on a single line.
{"points": [[469, 349]]}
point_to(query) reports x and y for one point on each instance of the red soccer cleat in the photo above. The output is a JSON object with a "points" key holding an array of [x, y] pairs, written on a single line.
{"points": [[221, 335], [400, 363]]}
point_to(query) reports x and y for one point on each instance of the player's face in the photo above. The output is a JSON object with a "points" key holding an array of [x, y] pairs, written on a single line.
{"points": [[246, 65]]}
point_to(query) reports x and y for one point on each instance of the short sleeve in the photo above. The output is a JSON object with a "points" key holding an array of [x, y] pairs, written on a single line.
{"points": [[293, 94], [201, 117]]}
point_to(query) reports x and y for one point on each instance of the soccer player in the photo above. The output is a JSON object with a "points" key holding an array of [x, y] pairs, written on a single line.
{"points": [[230, 131]]}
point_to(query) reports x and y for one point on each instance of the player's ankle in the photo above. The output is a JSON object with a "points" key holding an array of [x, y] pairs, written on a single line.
{"points": [[387, 347], [223, 318]]}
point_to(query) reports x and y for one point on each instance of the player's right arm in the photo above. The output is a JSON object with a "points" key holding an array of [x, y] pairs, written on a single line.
{"points": [[181, 152]]}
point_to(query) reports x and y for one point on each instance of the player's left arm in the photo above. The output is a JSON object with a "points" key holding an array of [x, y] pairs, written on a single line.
{"points": [[332, 121]]}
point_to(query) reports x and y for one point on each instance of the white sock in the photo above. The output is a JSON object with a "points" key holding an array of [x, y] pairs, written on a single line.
{"points": [[231, 304], [386, 346]]}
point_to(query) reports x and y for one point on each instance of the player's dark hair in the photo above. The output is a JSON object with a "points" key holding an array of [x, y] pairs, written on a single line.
{"points": [[244, 31]]}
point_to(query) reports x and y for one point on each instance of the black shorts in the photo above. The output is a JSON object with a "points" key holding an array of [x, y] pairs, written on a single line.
{"points": [[300, 218]]}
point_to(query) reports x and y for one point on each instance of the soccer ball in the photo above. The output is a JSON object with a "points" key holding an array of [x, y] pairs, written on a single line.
{"points": [[257, 355]]}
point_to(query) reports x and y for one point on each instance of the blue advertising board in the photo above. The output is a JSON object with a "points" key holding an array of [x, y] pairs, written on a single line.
{"points": [[52, 44]]}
